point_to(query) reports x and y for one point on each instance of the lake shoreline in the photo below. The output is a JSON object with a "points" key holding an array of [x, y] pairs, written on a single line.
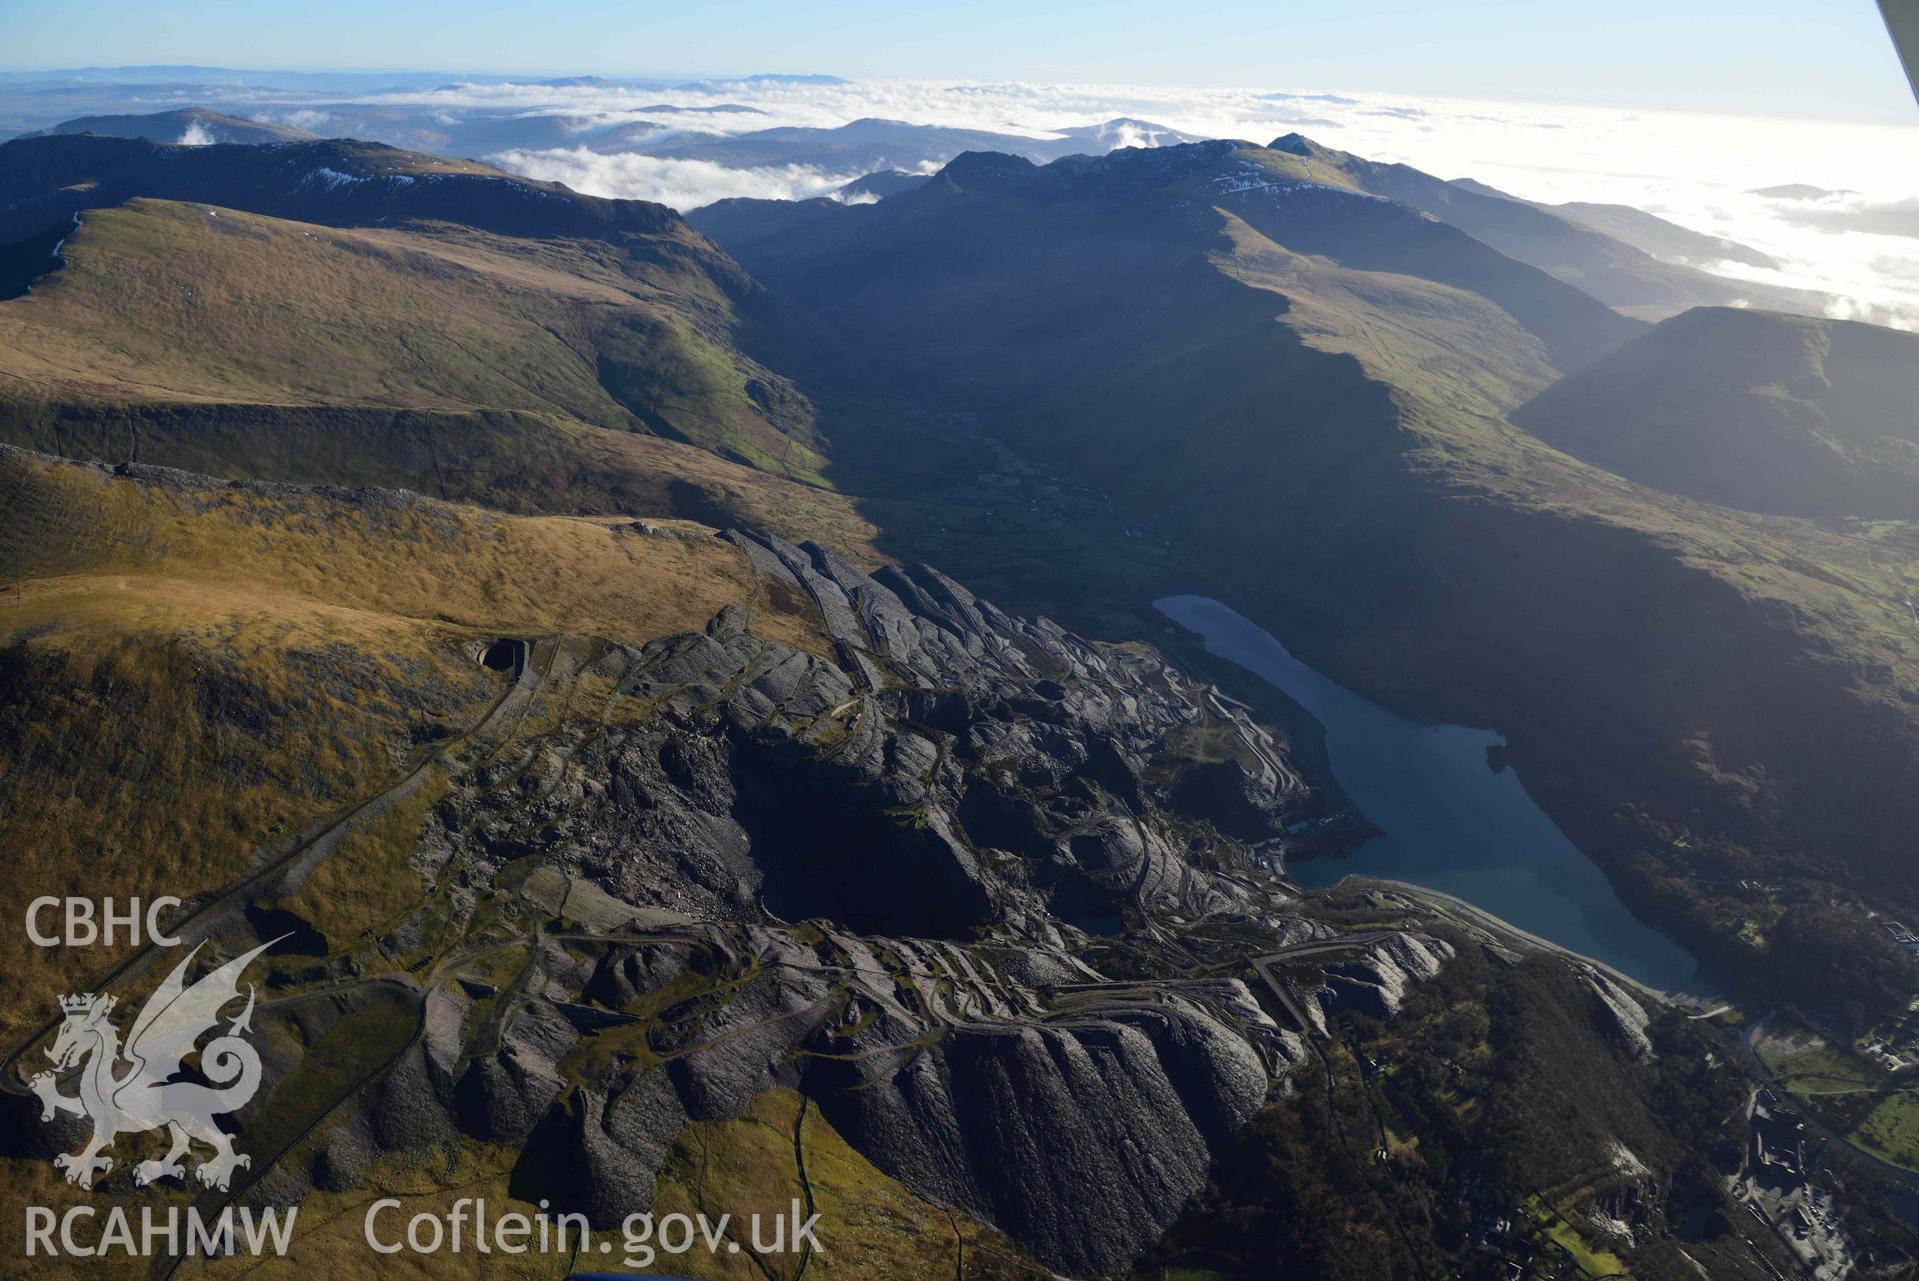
{"points": [[1447, 904], [1454, 817]]}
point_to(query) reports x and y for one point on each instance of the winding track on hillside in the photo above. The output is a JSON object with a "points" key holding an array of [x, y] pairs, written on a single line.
{"points": [[313, 844]]}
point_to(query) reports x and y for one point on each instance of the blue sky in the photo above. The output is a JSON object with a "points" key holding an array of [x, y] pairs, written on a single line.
{"points": [[1789, 57]]}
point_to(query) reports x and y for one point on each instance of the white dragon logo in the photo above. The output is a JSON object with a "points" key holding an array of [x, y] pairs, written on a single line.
{"points": [[144, 1096]]}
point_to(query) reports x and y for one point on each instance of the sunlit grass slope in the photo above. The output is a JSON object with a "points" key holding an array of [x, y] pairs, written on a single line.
{"points": [[192, 671], [189, 304]]}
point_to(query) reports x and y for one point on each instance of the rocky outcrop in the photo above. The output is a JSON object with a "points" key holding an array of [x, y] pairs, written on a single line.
{"points": [[1374, 982], [1078, 1130], [1082, 1141], [1624, 1018], [956, 769], [927, 873], [953, 804]]}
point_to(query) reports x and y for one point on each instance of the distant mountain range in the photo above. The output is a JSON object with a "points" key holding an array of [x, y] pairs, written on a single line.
{"points": [[771, 78], [1654, 235], [858, 146], [866, 145], [31, 101], [52, 177], [1631, 260], [190, 126], [1611, 269], [881, 184]]}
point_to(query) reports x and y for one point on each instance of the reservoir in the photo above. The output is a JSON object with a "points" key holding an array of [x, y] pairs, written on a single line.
{"points": [[1451, 822]]}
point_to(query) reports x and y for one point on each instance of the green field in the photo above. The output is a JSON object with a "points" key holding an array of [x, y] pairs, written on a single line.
{"points": [[1591, 1260], [1891, 1131], [1810, 1065]]}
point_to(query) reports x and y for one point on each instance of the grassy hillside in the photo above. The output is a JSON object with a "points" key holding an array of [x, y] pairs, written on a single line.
{"points": [[174, 303], [1754, 410], [196, 668], [515, 462], [346, 313], [873, 1227]]}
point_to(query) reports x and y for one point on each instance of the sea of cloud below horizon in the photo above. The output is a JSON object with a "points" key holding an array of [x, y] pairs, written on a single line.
{"points": [[1699, 170]]}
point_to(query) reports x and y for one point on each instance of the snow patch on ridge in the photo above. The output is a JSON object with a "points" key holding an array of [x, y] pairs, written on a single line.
{"points": [[331, 178]]}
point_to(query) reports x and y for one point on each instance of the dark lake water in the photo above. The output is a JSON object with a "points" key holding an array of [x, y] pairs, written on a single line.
{"points": [[1451, 822]]}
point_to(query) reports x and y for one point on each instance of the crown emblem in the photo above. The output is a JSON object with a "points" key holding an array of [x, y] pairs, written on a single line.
{"points": [[168, 1030]]}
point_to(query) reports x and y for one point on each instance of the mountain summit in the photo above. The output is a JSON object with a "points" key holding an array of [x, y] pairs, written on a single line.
{"points": [[188, 126]]}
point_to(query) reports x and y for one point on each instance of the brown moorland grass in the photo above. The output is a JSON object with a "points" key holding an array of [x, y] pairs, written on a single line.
{"points": [[164, 732], [169, 302], [192, 671], [393, 554]]}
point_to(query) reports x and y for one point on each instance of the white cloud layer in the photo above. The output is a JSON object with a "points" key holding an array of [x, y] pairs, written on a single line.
{"points": [[1695, 169], [683, 184]]}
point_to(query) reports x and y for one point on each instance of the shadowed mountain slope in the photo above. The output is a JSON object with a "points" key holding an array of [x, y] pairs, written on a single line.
{"points": [[1611, 270], [1128, 207], [1751, 409], [1307, 385], [861, 146]]}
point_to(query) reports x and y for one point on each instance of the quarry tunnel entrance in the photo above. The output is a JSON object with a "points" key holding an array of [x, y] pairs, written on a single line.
{"points": [[505, 655]]}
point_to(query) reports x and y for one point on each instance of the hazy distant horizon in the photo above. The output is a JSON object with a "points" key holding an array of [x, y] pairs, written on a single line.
{"points": [[1897, 114], [1701, 170], [1790, 57]]}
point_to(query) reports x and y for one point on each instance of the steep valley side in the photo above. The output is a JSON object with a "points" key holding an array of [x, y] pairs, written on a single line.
{"points": [[1329, 442]]}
